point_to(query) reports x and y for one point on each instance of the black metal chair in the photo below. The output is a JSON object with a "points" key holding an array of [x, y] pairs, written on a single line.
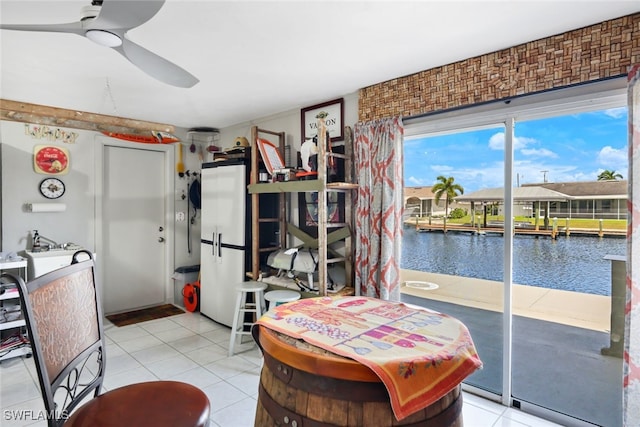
{"points": [[63, 313]]}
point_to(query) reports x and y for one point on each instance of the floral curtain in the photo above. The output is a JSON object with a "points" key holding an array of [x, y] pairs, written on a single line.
{"points": [[379, 173], [632, 319]]}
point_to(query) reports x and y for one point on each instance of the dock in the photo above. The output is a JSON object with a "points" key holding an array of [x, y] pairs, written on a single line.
{"points": [[551, 232]]}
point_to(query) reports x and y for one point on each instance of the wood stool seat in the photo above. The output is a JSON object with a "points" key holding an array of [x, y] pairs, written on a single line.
{"points": [[152, 404]]}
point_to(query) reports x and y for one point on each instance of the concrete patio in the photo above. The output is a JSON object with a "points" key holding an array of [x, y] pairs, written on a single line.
{"points": [[557, 340], [569, 308]]}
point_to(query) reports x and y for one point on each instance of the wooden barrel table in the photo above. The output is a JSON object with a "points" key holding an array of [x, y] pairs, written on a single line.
{"points": [[303, 385]]}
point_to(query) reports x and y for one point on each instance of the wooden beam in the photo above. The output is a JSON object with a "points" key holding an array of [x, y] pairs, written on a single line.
{"points": [[52, 116]]}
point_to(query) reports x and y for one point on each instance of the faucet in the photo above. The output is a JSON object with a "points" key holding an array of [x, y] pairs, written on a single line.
{"points": [[52, 244]]}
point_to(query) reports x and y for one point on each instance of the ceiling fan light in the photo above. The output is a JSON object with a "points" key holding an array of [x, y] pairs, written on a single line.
{"points": [[104, 38]]}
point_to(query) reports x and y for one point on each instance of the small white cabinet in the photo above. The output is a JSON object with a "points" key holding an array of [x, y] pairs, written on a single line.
{"points": [[14, 342]]}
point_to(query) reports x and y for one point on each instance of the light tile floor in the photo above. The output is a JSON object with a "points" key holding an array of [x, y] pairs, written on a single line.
{"points": [[191, 348]]}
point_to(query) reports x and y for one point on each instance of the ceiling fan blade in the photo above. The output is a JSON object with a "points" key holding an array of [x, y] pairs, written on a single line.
{"points": [[156, 66], [126, 14], [114, 19], [71, 27]]}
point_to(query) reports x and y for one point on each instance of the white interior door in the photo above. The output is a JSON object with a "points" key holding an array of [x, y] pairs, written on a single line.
{"points": [[134, 229]]}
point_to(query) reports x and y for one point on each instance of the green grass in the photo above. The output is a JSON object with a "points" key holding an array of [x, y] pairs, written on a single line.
{"points": [[607, 224]]}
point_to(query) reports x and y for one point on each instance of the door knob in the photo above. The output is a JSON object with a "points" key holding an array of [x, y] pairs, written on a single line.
{"points": [[160, 239]]}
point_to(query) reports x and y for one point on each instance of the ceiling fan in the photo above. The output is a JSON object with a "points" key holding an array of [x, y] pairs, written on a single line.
{"points": [[106, 22]]}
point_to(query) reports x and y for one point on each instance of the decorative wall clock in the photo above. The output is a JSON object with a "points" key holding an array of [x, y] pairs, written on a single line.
{"points": [[52, 188], [50, 160]]}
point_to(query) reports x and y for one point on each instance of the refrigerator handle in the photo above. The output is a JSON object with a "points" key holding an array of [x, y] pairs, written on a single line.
{"points": [[219, 245]]}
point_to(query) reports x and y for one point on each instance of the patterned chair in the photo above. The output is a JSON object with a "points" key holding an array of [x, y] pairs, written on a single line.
{"points": [[63, 313]]}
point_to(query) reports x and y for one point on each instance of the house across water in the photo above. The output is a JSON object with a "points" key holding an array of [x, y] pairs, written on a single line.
{"points": [[584, 199], [589, 199]]}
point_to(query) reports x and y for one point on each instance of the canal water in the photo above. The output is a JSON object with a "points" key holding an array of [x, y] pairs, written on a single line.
{"points": [[574, 263]]}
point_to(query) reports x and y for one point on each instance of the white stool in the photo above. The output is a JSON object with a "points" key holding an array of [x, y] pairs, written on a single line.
{"points": [[244, 306], [276, 298]]}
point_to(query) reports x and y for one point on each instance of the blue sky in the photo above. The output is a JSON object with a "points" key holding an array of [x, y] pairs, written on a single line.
{"points": [[569, 148]]}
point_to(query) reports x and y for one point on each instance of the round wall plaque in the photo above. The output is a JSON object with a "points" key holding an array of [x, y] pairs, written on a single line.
{"points": [[50, 160]]}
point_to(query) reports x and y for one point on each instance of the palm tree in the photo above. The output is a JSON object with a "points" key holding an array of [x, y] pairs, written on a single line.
{"points": [[447, 188], [607, 175]]}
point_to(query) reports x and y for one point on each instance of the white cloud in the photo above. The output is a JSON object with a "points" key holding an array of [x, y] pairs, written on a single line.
{"points": [[414, 181], [441, 169], [496, 142], [530, 172], [581, 176], [538, 152], [616, 113], [610, 157], [472, 178]]}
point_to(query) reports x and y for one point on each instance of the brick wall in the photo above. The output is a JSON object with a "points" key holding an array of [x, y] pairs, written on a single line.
{"points": [[592, 53]]}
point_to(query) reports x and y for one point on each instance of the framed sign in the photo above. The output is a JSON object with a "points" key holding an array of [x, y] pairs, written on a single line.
{"points": [[270, 155], [334, 119], [50, 160]]}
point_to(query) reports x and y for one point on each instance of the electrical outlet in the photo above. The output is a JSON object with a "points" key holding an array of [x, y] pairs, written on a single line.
{"points": [[180, 216], [181, 195]]}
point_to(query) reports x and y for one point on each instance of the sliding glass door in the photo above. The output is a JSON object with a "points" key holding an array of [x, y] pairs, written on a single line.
{"points": [[569, 277], [452, 253], [534, 252]]}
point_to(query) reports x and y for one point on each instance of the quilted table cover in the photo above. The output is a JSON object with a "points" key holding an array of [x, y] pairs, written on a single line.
{"points": [[420, 355]]}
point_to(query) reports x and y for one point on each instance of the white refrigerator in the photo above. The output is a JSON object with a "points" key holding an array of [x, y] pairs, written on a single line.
{"points": [[225, 237]]}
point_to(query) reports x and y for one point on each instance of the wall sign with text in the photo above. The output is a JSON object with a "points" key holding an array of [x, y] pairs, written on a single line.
{"points": [[333, 121], [50, 160]]}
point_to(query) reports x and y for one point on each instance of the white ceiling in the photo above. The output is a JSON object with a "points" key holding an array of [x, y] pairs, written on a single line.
{"points": [[259, 58]]}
